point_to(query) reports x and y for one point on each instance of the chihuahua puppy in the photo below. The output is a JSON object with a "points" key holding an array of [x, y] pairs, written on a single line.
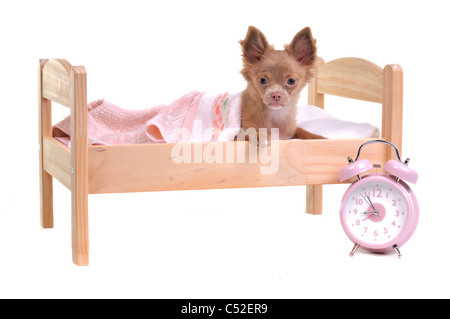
{"points": [[275, 79]]}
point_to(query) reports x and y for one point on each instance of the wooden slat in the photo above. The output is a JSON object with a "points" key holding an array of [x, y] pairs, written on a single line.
{"points": [[352, 78], [393, 107], [56, 81], [79, 163], [314, 193], [314, 98], [57, 160], [140, 168], [45, 179]]}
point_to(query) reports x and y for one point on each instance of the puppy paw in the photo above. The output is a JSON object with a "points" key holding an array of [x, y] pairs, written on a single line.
{"points": [[263, 140], [305, 135], [259, 139]]}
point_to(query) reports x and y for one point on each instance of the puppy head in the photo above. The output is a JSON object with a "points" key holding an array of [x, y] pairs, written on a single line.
{"points": [[278, 76]]}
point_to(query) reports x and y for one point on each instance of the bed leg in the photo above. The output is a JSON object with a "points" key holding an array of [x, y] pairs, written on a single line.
{"points": [[45, 179], [80, 227], [45, 186], [46, 198], [314, 199], [79, 161]]}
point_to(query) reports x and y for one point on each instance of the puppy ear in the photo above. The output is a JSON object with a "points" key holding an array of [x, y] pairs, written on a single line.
{"points": [[303, 47], [254, 46]]}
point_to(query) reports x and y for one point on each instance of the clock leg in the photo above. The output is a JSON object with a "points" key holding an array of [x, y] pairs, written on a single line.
{"points": [[397, 250], [355, 248]]}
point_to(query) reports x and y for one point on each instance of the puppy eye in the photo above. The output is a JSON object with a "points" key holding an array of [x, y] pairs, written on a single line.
{"points": [[291, 81], [262, 81]]}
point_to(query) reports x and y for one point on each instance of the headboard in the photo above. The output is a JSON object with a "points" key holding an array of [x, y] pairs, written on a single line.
{"points": [[363, 80], [352, 78], [56, 81]]}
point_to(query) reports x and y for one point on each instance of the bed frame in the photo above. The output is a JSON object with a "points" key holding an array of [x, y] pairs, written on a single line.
{"points": [[87, 169]]}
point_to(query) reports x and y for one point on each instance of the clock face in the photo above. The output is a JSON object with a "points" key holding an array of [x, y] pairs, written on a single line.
{"points": [[375, 212]]}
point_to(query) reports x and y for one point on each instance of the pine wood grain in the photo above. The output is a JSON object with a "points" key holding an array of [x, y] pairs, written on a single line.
{"points": [[56, 81], [141, 168], [45, 128], [314, 192], [57, 161], [351, 78], [79, 164], [392, 118]]}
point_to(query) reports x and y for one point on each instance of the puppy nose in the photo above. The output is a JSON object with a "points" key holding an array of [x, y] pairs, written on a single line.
{"points": [[276, 96]]}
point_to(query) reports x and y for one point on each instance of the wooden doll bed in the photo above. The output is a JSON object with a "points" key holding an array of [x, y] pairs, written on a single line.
{"points": [[85, 169]]}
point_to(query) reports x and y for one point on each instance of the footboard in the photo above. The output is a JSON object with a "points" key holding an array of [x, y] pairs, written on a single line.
{"points": [[66, 85]]}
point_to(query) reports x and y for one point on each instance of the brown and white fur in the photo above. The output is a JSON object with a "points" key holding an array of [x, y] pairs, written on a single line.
{"points": [[275, 79]]}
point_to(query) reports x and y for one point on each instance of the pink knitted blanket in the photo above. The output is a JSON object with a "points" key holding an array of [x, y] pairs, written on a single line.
{"points": [[195, 117]]}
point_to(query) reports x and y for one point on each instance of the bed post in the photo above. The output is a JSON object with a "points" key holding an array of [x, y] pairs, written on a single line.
{"points": [[45, 130], [392, 122], [79, 164], [314, 192]]}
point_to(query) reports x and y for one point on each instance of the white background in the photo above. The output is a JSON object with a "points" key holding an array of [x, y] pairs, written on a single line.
{"points": [[243, 243]]}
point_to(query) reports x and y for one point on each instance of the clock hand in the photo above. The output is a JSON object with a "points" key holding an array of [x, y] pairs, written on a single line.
{"points": [[364, 198], [368, 201], [371, 204]]}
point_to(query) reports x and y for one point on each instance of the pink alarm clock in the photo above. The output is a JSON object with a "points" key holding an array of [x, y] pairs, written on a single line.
{"points": [[379, 212]]}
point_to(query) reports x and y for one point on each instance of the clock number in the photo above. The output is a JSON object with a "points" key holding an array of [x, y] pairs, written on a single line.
{"points": [[355, 211], [385, 230], [379, 191], [397, 213], [394, 202], [358, 222], [359, 201], [365, 230], [393, 223], [375, 233]]}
